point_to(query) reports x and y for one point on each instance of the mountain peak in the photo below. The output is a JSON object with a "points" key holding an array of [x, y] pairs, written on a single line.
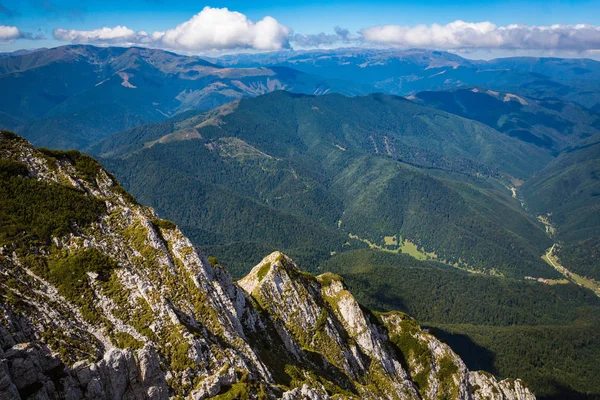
{"points": [[270, 265]]}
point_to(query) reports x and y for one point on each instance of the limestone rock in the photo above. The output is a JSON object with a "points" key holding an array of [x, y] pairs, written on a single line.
{"points": [[486, 387]]}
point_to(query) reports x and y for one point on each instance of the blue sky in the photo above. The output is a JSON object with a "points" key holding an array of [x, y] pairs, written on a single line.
{"points": [[40, 18]]}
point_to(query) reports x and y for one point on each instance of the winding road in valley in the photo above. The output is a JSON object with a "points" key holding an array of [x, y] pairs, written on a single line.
{"points": [[575, 278]]}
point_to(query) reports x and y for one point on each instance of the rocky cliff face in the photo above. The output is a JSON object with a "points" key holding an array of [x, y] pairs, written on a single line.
{"points": [[101, 299]]}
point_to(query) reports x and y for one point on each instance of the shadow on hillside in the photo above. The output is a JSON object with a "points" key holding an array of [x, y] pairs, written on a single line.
{"points": [[480, 358], [562, 392], [476, 357]]}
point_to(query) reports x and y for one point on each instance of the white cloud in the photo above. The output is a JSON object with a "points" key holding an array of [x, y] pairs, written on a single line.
{"points": [[486, 35], [9, 33], [118, 34], [210, 29], [214, 29], [219, 28]]}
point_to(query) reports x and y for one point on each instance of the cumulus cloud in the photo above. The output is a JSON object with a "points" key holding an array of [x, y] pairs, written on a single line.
{"points": [[118, 34], [210, 29], [486, 35], [219, 28], [8, 33]]}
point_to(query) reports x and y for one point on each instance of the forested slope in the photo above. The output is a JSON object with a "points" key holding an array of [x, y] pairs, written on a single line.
{"points": [[401, 169]]}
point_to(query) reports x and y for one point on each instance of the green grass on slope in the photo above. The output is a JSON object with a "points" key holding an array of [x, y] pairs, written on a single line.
{"points": [[32, 211]]}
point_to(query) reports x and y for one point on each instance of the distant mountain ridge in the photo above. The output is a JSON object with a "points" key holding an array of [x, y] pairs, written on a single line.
{"points": [[550, 123], [72, 96], [404, 72]]}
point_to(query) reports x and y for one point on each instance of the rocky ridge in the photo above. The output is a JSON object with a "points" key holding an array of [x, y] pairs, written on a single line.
{"points": [[119, 304]]}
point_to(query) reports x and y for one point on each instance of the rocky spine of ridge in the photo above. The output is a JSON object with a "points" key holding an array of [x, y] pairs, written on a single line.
{"points": [[124, 307]]}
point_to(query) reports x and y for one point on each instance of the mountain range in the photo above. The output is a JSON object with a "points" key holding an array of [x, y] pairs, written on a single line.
{"points": [[72, 96], [351, 184], [461, 192], [404, 72], [295, 171]]}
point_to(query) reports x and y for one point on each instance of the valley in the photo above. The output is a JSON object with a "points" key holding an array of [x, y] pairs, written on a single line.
{"points": [[332, 191]]}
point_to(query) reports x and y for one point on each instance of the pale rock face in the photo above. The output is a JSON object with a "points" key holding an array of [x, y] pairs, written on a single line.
{"points": [[485, 386], [446, 374], [163, 322], [371, 341], [304, 393], [212, 385]]}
